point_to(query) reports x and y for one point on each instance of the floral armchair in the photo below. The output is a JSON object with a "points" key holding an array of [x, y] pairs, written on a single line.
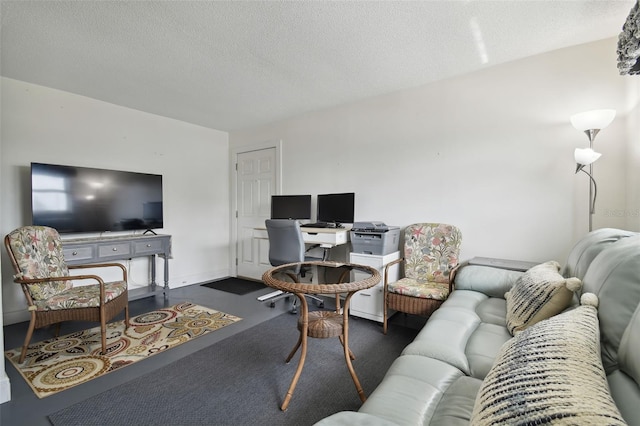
{"points": [[38, 261], [431, 252]]}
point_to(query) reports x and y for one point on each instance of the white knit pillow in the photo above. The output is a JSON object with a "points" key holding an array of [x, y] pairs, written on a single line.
{"points": [[538, 294], [551, 373]]}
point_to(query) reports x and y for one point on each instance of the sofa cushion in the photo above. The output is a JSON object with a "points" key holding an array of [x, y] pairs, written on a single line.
{"points": [[539, 293], [589, 247], [494, 282], [550, 372], [456, 406], [411, 390], [613, 276], [465, 332], [625, 383]]}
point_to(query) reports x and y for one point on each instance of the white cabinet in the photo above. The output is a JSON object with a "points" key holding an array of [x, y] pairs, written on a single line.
{"points": [[369, 303]]}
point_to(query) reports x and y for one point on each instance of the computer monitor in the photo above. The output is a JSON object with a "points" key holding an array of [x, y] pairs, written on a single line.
{"points": [[336, 208], [291, 207]]}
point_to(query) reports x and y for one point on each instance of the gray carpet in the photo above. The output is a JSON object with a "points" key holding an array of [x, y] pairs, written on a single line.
{"points": [[242, 380]]}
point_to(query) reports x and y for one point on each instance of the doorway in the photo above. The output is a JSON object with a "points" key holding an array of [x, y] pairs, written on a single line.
{"points": [[257, 172]]}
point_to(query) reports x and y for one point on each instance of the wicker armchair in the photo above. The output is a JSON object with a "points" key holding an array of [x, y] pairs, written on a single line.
{"points": [[430, 259], [37, 258]]}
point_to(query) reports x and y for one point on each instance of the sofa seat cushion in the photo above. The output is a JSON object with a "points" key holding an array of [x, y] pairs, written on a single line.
{"points": [[416, 391], [87, 296], [411, 390], [539, 294], [421, 289], [551, 372], [353, 418], [456, 406], [483, 348], [456, 333]]}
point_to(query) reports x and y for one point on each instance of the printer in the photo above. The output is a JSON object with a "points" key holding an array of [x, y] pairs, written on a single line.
{"points": [[374, 238]]}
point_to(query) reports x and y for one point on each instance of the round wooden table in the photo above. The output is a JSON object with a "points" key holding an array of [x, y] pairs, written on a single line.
{"points": [[323, 324]]}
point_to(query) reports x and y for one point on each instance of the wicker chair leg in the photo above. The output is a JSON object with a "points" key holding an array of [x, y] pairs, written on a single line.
{"points": [[103, 333], [23, 353], [126, 316], [384, 315]]}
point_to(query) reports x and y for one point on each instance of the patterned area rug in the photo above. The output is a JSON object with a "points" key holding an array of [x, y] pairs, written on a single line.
{"points": [[57, 364]]}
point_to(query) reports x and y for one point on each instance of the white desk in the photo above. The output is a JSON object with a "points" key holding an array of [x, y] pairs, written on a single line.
{"points": [[329, 239], [326, 237]]}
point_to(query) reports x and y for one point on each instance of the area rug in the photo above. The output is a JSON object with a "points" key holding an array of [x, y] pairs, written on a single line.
{"points": [[57, 364], [236, 285], [243, 379]]}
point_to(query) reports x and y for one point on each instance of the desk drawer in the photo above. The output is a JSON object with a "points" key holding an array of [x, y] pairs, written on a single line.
{"points": [[120, 250], [147, 247], [321, 238], [72, 255]]}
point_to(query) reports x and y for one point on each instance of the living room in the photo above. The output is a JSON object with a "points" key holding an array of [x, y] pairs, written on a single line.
{"points": [[490, 151]]}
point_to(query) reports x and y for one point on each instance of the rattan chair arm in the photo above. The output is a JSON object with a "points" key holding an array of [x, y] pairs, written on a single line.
{"points": [[67, 278], [42, 280], [386, 272]]}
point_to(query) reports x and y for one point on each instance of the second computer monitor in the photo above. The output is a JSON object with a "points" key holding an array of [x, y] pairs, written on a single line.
{"points": [[336, 208], [291, 207]]}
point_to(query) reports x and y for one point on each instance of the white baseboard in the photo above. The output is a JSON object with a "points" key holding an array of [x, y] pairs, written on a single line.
{"points": [[5, 389]]}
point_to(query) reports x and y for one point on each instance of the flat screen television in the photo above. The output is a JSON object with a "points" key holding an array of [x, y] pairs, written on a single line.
{"points": [[336, 208], [291, 207], [82, 200]]}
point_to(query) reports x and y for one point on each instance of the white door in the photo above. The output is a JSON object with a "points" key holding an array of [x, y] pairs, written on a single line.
{"points": [[256, 182]]}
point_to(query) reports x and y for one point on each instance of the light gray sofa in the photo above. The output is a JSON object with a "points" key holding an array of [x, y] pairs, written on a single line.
{"points": [[437, 377]]}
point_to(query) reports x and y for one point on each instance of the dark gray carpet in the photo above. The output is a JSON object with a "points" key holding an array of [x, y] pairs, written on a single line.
{"points": [[242, 380], [236, 285]]}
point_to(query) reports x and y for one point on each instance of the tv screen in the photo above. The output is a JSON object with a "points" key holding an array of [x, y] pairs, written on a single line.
{"points": [[80, 199], [291, 207], [336, 208]]}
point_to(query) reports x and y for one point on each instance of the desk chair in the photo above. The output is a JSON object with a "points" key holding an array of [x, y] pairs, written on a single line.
{"points": [[286, 245]]}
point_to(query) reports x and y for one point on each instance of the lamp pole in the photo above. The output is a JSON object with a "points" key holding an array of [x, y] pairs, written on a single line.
{"points": [[591, 122], [591, 134]]}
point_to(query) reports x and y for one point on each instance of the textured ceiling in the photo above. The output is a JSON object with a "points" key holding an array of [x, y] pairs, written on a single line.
{"points": [[232, 65]]}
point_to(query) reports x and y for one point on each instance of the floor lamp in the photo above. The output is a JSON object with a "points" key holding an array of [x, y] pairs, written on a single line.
{"points": [[590, 122]]}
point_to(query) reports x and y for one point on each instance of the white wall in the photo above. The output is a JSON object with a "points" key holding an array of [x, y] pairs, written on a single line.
{"points": [[632, 212], [44, 125], [491, 152]]}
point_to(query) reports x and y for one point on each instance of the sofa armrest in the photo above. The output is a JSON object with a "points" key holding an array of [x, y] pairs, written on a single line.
{"points": [[494, 282]]}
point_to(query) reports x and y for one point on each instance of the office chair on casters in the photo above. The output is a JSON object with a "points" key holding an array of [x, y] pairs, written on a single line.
{"points": [[286, 245]]}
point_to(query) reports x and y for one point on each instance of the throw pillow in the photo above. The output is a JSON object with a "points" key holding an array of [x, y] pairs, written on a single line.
{"points": [[539, 293], [551, 373]]}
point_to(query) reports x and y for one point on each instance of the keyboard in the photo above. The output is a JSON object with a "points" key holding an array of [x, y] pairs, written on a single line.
{"points": [[322, 225], [316, 225]]}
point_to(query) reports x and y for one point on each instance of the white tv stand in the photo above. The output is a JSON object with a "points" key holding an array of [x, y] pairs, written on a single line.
{"points": [[82, 251]]}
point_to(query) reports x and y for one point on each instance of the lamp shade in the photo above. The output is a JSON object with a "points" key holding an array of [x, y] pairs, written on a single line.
{"points": [[590, 120], [585, 156]]}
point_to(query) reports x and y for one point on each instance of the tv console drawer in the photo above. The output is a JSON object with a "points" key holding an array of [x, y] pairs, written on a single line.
{"points": [[98, 250], [119, 250], [75, 254], [147, 247]]}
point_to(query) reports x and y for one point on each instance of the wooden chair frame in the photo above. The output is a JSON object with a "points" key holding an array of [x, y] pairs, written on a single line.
{"points": [[102, 313]]}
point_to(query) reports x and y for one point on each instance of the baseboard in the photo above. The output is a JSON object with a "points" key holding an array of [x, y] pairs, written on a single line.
{"points": [[5, 388]]}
